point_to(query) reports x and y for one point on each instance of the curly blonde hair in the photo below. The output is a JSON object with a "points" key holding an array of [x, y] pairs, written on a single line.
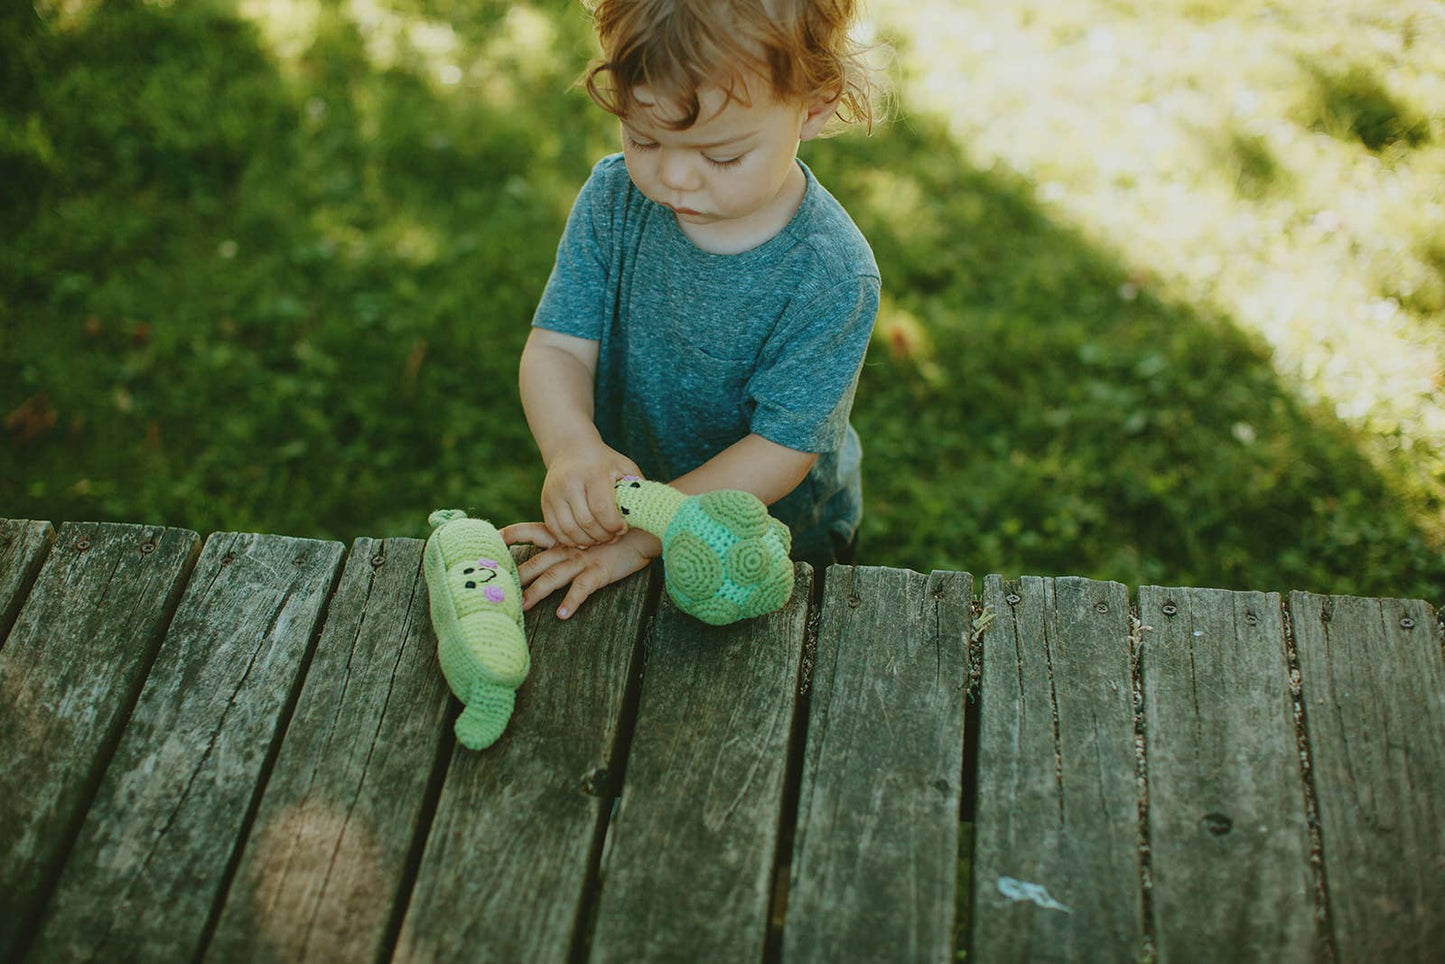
{"points": [[677, 47]]}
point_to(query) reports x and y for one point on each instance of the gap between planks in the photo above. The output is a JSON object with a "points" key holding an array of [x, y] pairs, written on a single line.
{"points": [[615, 773]]}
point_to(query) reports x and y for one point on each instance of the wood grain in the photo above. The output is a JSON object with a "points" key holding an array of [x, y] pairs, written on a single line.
{"points": [[155, 850], [23, 546], [1056, 872], [69, 677], [1228, 836], [692, 850], [509, 858], [875, 858], [327, 860], [1373, 689]]}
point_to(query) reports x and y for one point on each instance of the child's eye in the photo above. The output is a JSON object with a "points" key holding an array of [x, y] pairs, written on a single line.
{"points": [[639, 145], [728, 162]]}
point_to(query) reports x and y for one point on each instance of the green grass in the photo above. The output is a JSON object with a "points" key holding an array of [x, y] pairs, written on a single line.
{"points": [[1164, 285]]}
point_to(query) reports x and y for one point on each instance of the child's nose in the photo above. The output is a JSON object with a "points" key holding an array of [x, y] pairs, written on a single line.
{"points": [[677, 172]]}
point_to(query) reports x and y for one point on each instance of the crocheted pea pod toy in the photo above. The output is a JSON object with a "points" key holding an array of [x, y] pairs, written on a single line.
{"points": [[724, 558], [476, 609]]}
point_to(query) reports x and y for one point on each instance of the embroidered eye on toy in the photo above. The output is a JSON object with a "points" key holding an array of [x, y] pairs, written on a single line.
{"points": [[724, 557], [476, 609]]}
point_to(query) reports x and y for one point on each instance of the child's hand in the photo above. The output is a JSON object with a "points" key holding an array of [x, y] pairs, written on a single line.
{"points": [[588, 570], [579, 504]]}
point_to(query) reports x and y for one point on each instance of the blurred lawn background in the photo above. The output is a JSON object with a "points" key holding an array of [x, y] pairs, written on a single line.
{"points": [[1165, 279]]}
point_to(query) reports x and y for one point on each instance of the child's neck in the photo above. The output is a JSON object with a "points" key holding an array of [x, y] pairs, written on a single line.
{"points": [[736, 235]]}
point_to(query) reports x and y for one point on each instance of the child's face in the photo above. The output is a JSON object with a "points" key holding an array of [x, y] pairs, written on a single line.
{"points": [[730, 178]]}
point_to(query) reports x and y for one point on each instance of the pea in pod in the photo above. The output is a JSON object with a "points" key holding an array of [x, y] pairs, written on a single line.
{"points": [[476, 610]]}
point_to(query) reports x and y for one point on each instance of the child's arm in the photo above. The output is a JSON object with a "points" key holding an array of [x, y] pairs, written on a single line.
{"points": [[557, 375], [754, 464], [766, 469]]}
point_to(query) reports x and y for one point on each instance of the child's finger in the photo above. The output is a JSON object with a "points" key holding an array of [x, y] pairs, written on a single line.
{"points": [[528, 533], [555, 568], [602, 500], [559, 519], [540, 562], [584, 512], [593, 532], [584, 584]]}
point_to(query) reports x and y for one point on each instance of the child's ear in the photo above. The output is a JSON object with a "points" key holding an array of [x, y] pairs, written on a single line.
{"points": [[817, 112]]}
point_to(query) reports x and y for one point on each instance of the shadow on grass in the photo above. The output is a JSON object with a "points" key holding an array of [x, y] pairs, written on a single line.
{"points": [[291, 299], [283, 300], [1353, 104]]}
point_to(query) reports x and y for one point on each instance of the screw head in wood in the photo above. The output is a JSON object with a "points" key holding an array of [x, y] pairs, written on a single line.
{"points": [[1170, 609], [1217, 824]]}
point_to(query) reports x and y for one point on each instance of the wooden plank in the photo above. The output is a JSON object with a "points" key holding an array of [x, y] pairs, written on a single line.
{"points": [[875, 859], [1373, 690], [69, 676], [328, 858], [1056, 872], [509, 856], [1228, 838], [693, 847], [23, 546], [156, 848]]}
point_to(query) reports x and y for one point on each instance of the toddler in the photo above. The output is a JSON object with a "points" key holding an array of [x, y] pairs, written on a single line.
{"points": [[707, 316]]}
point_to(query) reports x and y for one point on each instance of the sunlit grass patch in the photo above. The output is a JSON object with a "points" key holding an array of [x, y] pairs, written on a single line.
{"points": [[1209, 146]]}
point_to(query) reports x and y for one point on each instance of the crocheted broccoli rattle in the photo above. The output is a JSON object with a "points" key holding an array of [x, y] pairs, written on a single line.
{"points": [[723, 557], [476, 609]]}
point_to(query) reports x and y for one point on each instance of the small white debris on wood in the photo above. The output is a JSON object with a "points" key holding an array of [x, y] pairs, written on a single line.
{"points": [[1023, 890]]}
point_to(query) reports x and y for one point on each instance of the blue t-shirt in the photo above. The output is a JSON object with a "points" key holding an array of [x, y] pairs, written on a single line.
{"points": [[697, 350]]}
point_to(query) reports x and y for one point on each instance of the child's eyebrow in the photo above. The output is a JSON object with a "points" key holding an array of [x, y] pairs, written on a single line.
{"points": [[724, 142], [728, 141]]}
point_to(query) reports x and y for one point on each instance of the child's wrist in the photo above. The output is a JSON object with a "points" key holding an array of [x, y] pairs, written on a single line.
{"points": [[644, 542], [570, 442]]}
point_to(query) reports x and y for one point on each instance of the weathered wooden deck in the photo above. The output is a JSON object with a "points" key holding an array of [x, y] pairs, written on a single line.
{"points": [[241, 750]]}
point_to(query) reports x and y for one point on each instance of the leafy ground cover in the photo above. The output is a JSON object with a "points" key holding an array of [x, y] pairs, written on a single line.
{"points": [[1165, 284]]}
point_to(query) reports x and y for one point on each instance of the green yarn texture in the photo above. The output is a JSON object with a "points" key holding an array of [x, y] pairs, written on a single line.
{"points": [[724, 557], [476, 610]]}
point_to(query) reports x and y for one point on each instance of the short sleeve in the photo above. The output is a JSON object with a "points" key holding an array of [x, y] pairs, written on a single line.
{"points": [[574, 302], [802, 390]]}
